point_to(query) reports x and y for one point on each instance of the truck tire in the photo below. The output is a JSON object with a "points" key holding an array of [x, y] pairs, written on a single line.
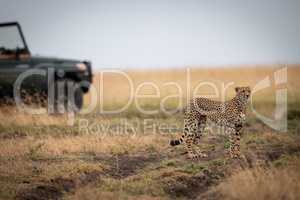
{"points": [[71, 99]]}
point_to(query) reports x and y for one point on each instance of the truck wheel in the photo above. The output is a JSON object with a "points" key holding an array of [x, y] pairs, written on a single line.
{"points": [[70, 99], [78, 99]]}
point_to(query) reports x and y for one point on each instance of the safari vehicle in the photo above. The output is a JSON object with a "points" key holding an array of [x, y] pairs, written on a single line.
{"points": [[16, 60]]}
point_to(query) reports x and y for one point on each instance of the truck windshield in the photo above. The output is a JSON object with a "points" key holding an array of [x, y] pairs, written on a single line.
{"points": [[10, 38]]}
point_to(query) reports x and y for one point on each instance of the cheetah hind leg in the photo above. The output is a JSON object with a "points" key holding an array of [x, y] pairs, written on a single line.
{"points": [[191, 140], [201, 123], [190, 128], [200, 130], [190, 147]]}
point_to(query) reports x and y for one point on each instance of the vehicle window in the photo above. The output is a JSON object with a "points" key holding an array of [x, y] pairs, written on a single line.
{"points": [[10, 38]]}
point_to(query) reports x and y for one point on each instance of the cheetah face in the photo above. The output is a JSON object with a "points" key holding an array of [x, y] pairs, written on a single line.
{"points": [[243, 92]]}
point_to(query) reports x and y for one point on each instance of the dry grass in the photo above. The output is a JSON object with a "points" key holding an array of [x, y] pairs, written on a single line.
{"points": [[14, 148], [115, 90], [269, 137], [60, 146], [49, 148], [96, 194], [110, 144], [260, 184], [11, 116]]}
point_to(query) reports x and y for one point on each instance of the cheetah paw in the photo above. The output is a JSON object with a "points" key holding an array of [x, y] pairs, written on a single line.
{"points": [[235, 156], [202, 155]]}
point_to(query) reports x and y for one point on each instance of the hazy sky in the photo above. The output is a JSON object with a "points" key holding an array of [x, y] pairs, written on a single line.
{"points": [[162, 33]]}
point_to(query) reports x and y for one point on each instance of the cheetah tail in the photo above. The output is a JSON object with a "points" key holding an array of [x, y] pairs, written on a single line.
{"points": [[176, 142]]}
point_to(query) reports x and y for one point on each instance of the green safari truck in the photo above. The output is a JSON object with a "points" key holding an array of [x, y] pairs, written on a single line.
{"points": [[62, 81]]}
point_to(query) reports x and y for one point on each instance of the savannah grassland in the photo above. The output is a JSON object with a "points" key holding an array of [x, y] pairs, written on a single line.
{"points": [[127, 156]]}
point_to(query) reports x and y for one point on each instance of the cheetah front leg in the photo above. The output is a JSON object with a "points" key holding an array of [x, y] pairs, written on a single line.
{"points": [[235, 137]]}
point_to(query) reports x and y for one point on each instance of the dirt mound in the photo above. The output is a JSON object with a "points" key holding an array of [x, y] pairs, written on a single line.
{"points": [[41, 192], [12, 135], [120, 166], [56, 187], [124, 165], [191, 186]]}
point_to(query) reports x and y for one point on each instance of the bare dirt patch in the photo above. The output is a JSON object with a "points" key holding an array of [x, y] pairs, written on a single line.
{"points": [[120, 166], [57, 187], [191, 186], [124, 165]]}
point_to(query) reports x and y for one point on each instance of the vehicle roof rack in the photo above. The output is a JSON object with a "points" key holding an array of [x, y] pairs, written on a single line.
{"points": [[10, 24]]}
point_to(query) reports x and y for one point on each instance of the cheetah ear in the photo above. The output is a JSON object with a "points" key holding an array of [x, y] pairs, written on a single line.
{"points": [[237, 89]]}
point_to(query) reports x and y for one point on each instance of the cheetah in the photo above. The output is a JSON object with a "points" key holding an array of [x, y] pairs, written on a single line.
{"points": [[229, 114]]}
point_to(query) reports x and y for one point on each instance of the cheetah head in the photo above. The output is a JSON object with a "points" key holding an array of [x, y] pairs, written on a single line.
{"points": [[243, 92]]}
